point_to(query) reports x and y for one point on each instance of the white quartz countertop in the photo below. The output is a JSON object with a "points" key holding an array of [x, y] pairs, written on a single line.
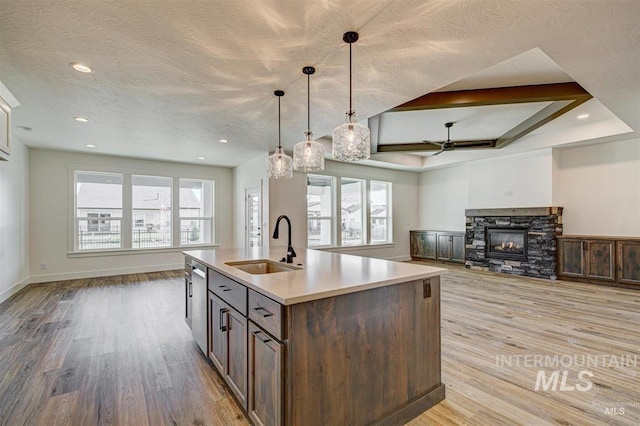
{"points": [[322, 274]]}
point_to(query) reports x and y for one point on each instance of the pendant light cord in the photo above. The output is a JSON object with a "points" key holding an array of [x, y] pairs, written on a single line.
{"points": [[279, 144], [308, 107], [350, 83]]}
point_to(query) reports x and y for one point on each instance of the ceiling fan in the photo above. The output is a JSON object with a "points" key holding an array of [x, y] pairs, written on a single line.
{"points": [[450, 145]]}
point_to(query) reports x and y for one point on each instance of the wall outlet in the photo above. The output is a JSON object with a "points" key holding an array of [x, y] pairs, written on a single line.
{"points": [[508, 193], [43, 266]]}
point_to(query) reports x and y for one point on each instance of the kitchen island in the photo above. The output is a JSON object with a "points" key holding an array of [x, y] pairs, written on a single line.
{"points": [[329, 339]]}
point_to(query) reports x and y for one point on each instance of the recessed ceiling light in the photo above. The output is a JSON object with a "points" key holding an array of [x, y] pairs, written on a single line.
{"points": [[81, 119], [201, 158], [223, 141], [90, 146], [583, 116], [81, 67]]}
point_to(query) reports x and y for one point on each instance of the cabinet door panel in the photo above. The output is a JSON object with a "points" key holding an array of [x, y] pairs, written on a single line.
{"points": [[600, 260], [628, 260], [217, 335], [457, 248], [430, 243], [444, 247], [265, 378], [416, 241], [571, 255], [236, 371]]}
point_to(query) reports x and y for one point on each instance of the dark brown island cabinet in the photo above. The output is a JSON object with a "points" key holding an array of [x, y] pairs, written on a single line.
{"points": [[367, 357], [612, 260], [437, 245]]}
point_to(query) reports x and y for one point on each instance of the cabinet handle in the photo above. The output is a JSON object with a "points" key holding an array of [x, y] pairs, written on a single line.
{"points": [[585, 246], [255, 333], [222, 326], [264, 315], [190, 289], [224, 288]]}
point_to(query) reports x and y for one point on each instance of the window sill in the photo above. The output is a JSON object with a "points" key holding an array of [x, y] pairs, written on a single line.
{"points": [[125, 252], [354, 248]]}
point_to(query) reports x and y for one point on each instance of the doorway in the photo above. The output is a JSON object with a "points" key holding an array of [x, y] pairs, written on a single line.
{"points": [[253, 217]]}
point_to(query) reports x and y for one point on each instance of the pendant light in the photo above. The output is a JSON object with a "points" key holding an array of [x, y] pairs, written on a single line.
{"points": [[351, 140], [279, 164], [308, 155]]}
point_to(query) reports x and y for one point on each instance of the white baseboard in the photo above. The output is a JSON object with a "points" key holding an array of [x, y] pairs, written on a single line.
{"points": [[14, 289], [104, 272]]}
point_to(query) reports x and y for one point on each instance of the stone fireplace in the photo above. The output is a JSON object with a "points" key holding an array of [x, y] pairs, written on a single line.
{"points": [[517, 241]]}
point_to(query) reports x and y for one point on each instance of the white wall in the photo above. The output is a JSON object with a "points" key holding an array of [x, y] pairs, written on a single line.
{"points": [[289, 197], [519, 180], [599, 188], [14, 212], [250, 174], [443, 198], [51, 207]]}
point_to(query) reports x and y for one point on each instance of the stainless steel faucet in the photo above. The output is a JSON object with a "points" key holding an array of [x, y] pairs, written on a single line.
{"points": [[290, 252]]}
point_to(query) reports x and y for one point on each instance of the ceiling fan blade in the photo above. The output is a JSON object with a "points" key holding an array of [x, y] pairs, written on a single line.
{"points": [[439, 152]]}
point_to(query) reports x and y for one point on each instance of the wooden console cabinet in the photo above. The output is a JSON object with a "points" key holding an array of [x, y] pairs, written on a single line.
{"points": [[599, 259], [437, 245]]}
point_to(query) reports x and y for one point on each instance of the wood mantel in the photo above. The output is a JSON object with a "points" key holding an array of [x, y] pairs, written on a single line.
{"points": [[514, 211]]}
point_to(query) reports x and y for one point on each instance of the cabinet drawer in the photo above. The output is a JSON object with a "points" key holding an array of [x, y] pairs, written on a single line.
{"points": [[266, 313], [235, 294]]}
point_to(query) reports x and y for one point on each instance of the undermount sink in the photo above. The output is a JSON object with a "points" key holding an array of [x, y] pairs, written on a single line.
{"points": [[262, 266]]}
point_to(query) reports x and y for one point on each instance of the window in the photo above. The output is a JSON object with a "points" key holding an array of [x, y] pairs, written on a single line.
{"points": [[380, 212], [155, 217], [151, 207], [98, 210], [196, 211], [351, 211], [320, 216], [361, 215]]}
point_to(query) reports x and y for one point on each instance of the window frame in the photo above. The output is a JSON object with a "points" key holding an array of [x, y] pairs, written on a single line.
{"points": [[336, 212], [331, 218], [77, 220], [198, 218], [127, 220]]}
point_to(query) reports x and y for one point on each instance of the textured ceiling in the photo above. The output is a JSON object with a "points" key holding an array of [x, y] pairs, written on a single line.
{"points": [[172, 77]]}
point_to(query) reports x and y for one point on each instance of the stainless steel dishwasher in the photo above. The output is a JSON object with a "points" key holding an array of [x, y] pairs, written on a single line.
{"points": [[199, 301]]}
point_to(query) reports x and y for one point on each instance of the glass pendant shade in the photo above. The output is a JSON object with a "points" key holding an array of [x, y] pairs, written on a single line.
{"points": [[308, 156], [279, 165], [351, 140]]}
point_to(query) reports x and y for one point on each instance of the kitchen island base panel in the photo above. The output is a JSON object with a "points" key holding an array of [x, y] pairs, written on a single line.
{"points": [[364, 358]]}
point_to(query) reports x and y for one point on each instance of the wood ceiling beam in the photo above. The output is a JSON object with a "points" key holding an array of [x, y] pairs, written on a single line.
{"points": [[425, 146], [563, 97], [496, 96]]}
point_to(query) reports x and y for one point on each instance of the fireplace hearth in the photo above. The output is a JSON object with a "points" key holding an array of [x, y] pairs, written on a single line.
{"points": [[506, 243]]}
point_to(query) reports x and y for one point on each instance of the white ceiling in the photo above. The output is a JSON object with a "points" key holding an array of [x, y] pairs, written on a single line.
{"points": [[172, 77]]}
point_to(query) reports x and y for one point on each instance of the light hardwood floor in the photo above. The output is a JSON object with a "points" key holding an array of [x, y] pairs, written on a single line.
{"points": [[117, 351]]}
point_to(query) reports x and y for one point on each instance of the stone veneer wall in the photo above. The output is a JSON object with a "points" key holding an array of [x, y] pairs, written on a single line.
{"points": [[544, 225]]}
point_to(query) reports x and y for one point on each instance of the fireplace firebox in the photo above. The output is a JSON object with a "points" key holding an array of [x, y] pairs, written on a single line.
{"points": [[506, 243]]}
